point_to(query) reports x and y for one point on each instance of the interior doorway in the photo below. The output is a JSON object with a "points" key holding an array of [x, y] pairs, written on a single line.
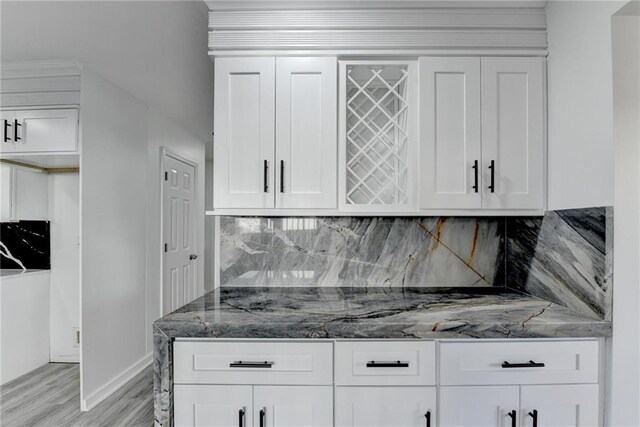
{"points": [[179, 266]]}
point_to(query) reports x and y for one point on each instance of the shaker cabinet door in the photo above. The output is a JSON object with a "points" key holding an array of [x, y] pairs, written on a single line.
{"points": [[306, 133], [512, 133], [293, 406], [7, 133], [385, 406], [490, 406], [560, 405], [450, 133], [213, 406], [42, 131], [243, 145]]}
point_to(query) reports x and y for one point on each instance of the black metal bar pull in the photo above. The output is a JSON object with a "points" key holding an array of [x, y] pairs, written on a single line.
{"points": [[241, 364], [266, 176], [241, 417], [7, 125], [427, 417], [15, 130], [530, 364], [534, 415], [512, 415], [397, 364], [492, 168], [475, 174], [282, 176], [263, 413]]}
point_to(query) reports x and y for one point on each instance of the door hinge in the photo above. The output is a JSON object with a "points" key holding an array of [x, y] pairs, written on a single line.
{"points": [[166, 176], [166, 247]]}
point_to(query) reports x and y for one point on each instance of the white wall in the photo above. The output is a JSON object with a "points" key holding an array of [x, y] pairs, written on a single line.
{"points": [[165, 133], [580, 118], [624, 373], [64, 215], [113, 186]]}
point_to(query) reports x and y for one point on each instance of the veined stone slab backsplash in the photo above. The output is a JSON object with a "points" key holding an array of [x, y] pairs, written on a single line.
{"points": [[25, 244], [362, 251]]}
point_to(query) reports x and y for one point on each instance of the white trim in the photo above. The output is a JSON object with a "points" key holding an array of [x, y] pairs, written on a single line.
{"points": [[367, 4], [112, 386], [28, 69], [345, 54], [374, 212]]}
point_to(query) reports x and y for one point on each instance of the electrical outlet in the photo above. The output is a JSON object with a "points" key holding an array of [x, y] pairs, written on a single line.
{"points": [[76, 337]]}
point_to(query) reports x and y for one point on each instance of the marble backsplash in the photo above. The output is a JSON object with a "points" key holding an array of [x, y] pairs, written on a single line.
{"points": [[362, 251], [25, 244]]}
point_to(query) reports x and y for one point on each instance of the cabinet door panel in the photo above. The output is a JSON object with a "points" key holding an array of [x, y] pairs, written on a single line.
{"points": [[7, 123], [450, 133], [306, 132], [208, 405], [294, 406], [244, 133], [478, 406], [47, 131], [561, 405], [513, 132], [385, 406]]}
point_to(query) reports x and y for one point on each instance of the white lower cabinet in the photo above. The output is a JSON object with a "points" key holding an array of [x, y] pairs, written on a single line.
{"points": [[478, 406], [560, 405], [386, 406], [293, 406], [213, 405]]}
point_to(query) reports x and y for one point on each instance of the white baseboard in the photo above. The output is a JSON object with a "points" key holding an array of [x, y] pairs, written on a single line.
{"points": [[106, 390], [65, 359]]}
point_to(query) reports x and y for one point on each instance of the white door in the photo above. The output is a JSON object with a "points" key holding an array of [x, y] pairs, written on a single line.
{"points": [[450, 133], [293, 406], [479, 406], [243, 143], [7, 133], [560, 406], [306, 132], [180, 256], [47, 130], [512, 133], [213, 406], [385, 406]]}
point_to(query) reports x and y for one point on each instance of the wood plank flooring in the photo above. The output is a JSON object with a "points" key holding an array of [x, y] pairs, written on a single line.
{"points": [[50, 397]]}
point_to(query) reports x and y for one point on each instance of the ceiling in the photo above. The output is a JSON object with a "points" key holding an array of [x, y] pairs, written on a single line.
{"points": [[155, 50]]}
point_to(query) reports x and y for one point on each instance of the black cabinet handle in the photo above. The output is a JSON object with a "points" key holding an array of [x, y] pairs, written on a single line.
{"points": [[241, 364], [15, 130], [7, 125], [282, 176], [427, 417], [534, 414], [492, 168], [241, 418], [263, 412], [397, 364], [475, 173], [530, 364], [512, 415], [266, 176]]}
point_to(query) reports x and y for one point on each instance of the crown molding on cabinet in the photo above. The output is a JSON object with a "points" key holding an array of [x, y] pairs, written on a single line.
{"points": [[30, 69], [368, 4]]}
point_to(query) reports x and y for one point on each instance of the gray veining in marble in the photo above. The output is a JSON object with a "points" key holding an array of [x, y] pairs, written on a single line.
{"points": [[564, 257], [361, 252], [334, 313]]}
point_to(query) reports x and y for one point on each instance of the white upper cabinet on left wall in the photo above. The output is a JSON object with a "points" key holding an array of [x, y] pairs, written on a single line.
{"points": [[275, 133], [39, 131]]}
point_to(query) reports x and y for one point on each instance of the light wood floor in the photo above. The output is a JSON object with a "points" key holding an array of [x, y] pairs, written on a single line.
{"points": [[50, 397]]}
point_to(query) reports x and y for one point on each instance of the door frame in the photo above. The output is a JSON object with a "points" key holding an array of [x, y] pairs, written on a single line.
{"points": [[164, 153]]}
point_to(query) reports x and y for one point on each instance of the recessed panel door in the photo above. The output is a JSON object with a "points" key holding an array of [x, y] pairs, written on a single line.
{"points": [[46, 130], [243, 144], [212, 406], [293, 406], [179, 284], [491, 406], [561, 405], [306, 133]]}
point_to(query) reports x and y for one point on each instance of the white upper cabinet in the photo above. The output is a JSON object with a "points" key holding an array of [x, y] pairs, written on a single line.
{"points": [[378, 139], [512, 133], [450, 133], [40, 131], [275, 133], [306, 131], [244, 123]]}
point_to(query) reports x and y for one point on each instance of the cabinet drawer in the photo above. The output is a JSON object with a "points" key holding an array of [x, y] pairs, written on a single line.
{"points": [[508, 362], [209, 362], [385, 363]]}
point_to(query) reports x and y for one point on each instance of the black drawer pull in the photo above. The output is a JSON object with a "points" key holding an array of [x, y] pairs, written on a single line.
{"points": [[398, 364], [241, 418], [241, 364], [7, 125], [16, 124], [475, 175], [427, 417], [534, 415], [512, 415], [265, 178], [263, 413], [530, 364]]}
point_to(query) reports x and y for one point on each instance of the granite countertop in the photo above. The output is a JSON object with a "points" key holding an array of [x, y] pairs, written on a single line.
{"points": [[376, 313]]}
